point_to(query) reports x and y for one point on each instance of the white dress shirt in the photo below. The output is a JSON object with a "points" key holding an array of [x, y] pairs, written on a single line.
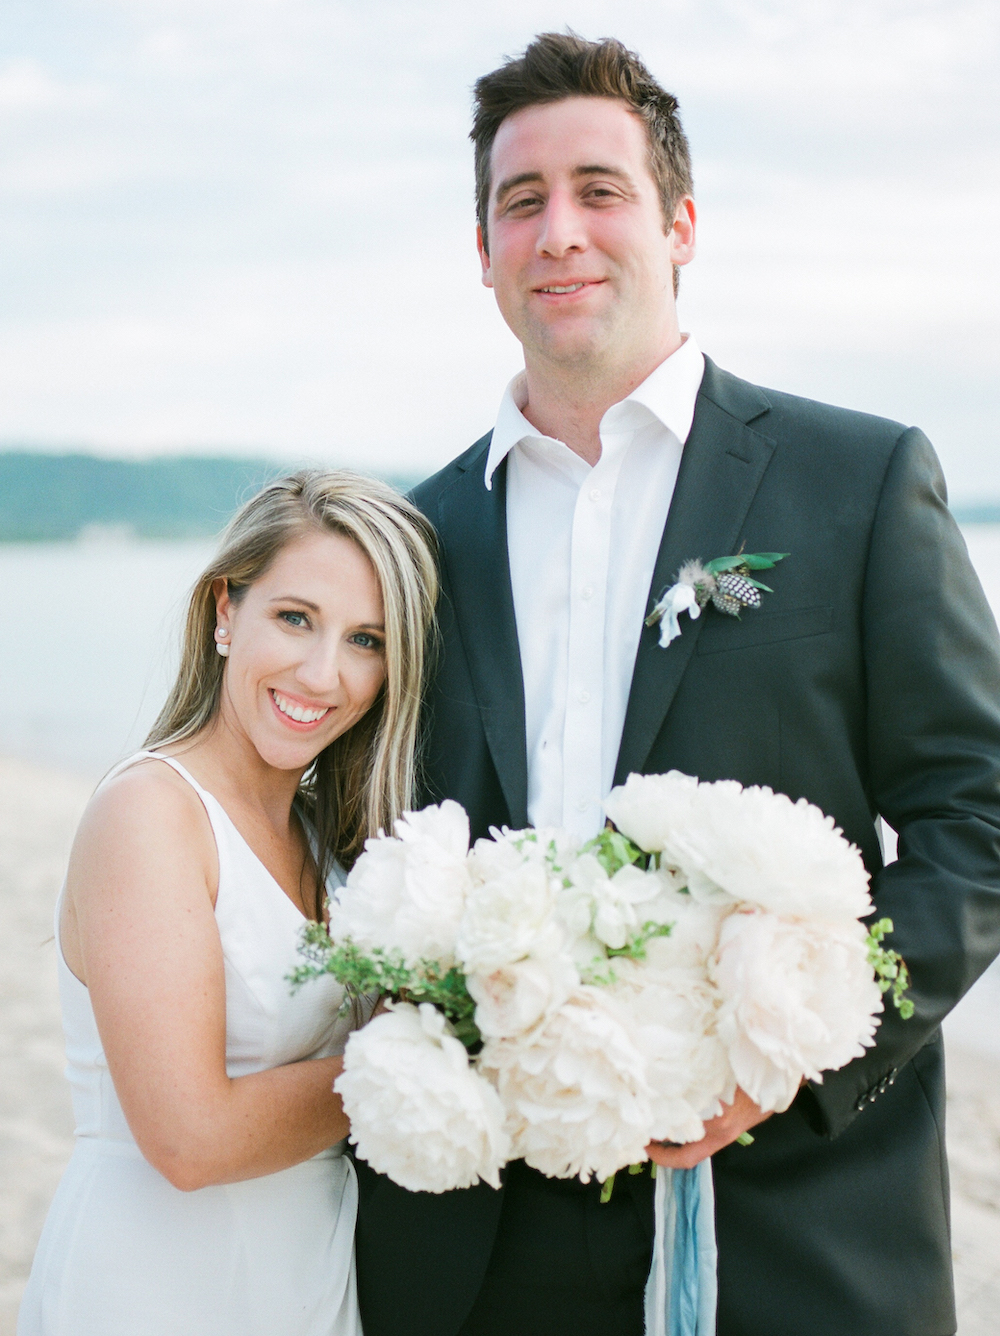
{"points": [[582, 542]]}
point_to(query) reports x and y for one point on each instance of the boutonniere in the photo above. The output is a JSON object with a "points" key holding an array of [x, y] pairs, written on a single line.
{"points": [[725, 582]]}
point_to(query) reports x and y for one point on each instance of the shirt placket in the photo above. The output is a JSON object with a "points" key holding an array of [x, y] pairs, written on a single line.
{"points": [[590, 555]]}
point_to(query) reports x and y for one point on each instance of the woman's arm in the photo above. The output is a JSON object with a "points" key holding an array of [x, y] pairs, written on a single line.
{"points": [[140, 930]]}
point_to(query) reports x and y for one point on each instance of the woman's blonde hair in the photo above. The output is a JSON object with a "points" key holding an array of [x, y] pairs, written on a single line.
{"points": [[364, 779]]}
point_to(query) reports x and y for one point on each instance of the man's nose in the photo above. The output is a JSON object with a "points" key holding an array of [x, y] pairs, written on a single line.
{"points": [[563, 227]]}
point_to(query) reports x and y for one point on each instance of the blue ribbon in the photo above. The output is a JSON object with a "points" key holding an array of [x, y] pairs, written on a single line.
{"points": [[682, 1290]]}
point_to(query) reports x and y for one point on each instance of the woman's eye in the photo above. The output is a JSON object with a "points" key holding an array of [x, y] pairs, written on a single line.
{"points": [[365, 641], [294, 618]]}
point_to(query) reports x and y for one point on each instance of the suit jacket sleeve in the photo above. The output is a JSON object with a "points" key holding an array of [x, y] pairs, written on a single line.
{"points": [[932, 662]]}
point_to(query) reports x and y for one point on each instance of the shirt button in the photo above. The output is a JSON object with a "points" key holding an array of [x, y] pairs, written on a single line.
{"points": [[584, 697], [582, 805], [587, 591], [595, 494]]}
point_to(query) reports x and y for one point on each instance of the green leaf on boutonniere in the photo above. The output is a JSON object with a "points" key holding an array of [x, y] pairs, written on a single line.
{"points": [[750, 561]]}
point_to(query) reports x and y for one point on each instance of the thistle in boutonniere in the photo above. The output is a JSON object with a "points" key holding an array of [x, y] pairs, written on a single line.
{"points": [[725, 582]]}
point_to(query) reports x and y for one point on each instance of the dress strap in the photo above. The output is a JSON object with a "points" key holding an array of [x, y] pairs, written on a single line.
{"points": [[147, 755]]}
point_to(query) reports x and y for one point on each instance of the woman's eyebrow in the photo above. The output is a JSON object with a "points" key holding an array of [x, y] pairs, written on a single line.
{"points": [[294, 598]]}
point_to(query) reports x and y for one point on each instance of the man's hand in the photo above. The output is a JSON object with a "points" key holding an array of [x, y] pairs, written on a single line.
{"points": [[732, 1122]]}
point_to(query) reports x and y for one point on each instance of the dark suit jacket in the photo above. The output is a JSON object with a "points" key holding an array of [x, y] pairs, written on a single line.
{"points": [[869, 682]]}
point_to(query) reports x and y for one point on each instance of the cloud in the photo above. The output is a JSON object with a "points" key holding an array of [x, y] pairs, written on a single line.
{"points": [[249, 222]]}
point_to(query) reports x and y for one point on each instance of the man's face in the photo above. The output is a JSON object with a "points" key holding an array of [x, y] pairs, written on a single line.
{"points": [[579, 258]]}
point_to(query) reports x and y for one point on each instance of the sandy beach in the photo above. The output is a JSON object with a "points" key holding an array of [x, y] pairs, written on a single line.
{"points": [[39, 809]]}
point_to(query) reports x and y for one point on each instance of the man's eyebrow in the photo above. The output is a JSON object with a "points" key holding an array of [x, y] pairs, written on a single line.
{"points": [[602, 169], [512, 182]]}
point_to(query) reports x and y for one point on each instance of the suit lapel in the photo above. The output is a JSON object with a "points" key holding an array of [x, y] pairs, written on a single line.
{"points": [[475, 521], [723, 463]]}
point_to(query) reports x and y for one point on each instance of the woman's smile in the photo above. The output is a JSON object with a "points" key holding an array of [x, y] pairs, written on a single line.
{"points": [[295, 712]]}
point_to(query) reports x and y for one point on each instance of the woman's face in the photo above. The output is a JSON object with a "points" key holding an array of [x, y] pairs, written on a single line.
{"points": [[307, 649]]}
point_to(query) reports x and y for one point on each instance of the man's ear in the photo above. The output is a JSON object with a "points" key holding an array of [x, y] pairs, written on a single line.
{"points": [[484, 258], [682, 232]]}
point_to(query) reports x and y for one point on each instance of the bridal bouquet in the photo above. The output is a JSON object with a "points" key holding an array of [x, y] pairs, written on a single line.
{"points": [[569, 1003]]}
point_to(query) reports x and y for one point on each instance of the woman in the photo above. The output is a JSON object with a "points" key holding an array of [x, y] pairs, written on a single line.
{"points": [[207, 1194]]}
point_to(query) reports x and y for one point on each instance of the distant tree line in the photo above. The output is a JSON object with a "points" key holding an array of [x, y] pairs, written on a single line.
{"points": [[46, 498]]}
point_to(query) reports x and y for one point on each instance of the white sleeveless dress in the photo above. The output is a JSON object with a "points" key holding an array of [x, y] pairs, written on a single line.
{"points": [[123, 1252]]}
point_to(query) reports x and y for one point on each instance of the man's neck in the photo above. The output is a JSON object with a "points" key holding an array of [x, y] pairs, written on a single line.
{"points": [[568, 402]]}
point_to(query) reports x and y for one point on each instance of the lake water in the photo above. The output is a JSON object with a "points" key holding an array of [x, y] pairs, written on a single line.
{"points": [[89, 635]]}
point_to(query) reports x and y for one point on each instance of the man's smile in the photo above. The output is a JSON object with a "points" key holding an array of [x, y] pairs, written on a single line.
{"points": [[568, 289]]}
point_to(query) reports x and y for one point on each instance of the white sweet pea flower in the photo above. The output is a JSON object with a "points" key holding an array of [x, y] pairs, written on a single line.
{"points": [[610, 908], [677, 599]]}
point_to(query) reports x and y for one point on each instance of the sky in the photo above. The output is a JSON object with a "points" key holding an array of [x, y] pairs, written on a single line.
{"points": [[247, 226]]}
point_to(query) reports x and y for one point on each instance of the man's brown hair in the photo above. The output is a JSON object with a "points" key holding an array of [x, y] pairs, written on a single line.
{"points": [[560, 65]]}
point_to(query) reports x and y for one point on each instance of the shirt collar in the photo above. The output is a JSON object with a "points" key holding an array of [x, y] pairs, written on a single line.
{"points": [[669, 393]]}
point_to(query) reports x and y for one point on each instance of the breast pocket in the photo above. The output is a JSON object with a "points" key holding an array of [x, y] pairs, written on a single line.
{"points": [[761, 627]]}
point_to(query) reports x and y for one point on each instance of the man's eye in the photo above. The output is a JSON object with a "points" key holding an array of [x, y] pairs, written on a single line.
{"points": [[521, 205], [294, 618]]}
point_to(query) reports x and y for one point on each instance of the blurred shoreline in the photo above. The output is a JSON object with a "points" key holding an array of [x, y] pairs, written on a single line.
{"points": [[39, 809]]}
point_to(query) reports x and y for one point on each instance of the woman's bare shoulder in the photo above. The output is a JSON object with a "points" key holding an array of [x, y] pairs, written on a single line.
{"points": [[146, 813]]}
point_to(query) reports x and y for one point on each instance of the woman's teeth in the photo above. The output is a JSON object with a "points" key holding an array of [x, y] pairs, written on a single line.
{"points": [[297, 712]]}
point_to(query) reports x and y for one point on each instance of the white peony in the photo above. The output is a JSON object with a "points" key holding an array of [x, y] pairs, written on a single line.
{"points": [[752, 845], [798, 999], [694, 931], [516, 997], [508, 918], [575, 1089], [648, 808], [673, 1024], [657, 811], [419, 1112], [408, 892]]}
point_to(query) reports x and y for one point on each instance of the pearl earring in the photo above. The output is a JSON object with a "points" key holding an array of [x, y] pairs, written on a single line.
{"points": [[220, 633], [223, 650]]}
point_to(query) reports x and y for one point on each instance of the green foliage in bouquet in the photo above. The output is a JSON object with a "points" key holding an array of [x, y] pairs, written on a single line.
{"points": [[379, 971], [890, 968], [614, 851]]}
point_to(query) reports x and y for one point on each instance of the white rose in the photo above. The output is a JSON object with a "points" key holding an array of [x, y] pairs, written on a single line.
{"points": [[673, 1024], [516, 997], [508, 918], [419, 1112], [575, 1090], [408, 892], [798, 999]]}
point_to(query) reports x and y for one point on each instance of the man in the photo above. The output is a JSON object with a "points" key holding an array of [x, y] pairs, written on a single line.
{"points": [[869, 682]]}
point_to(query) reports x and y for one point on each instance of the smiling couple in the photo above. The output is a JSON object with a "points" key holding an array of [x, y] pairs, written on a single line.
{"points": [[203, 1196]]}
